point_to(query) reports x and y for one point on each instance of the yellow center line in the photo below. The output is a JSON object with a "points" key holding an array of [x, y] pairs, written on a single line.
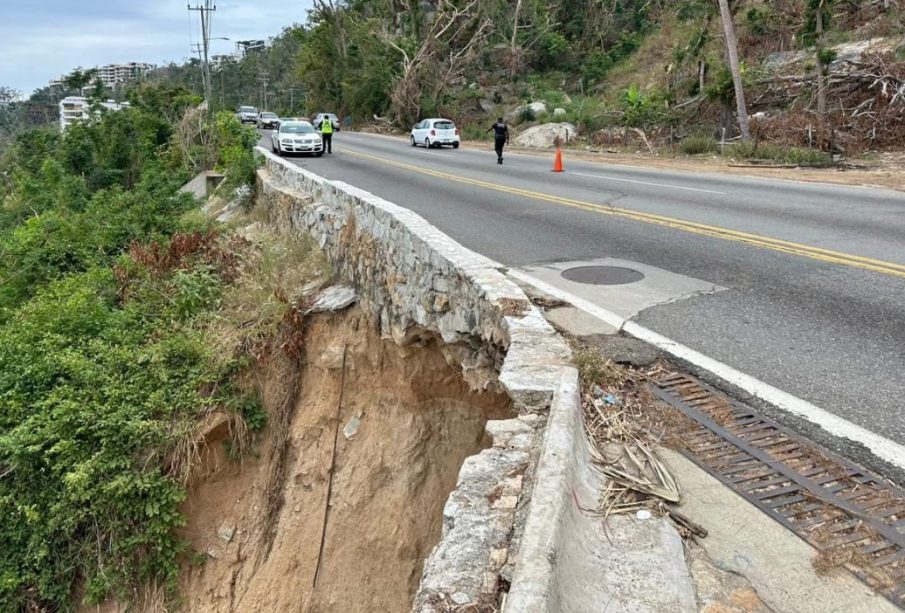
{"points": [[764, 242]]}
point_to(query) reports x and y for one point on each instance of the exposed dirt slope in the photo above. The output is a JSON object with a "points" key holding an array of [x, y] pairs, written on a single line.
{"points": [[259, 527]]}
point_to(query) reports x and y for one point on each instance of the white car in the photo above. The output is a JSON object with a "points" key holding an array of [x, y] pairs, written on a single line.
{"points": [[296, 137], [247, 114], [435, 133]]}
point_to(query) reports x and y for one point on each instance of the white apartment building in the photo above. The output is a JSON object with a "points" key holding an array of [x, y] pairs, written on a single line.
{"points": [[219, 60], [112, 74], [74, 109]]}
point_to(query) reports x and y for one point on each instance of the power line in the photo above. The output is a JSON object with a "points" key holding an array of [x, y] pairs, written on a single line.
{"points": [[205, 11]]}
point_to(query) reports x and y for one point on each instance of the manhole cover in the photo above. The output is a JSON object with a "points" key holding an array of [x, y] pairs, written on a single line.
{"points": [[602, 275]]}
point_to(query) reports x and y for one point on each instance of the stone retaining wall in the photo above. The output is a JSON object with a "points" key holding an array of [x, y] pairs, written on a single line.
{"points": [[416, 281]]}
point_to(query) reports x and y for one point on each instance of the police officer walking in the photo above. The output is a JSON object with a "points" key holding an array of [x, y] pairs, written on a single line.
{"points": [[327, 133], [500, 138]]}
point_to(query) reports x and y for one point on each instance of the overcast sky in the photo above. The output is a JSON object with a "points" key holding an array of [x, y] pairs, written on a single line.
{"points": [[43, 39]]}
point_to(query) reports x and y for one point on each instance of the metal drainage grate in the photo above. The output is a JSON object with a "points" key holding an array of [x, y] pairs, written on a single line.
{"points": [[824, 499], [602, 275]]}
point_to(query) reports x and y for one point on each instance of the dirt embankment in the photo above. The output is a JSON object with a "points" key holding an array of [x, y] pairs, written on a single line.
{"points": [[275, 533]]}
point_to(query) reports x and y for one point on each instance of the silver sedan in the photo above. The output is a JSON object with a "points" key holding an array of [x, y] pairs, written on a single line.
{"points": [[296, 137]]}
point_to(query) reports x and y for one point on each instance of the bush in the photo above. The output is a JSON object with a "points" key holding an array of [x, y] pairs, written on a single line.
{"points": [[695, 145], [782, 155], [640, 109], [105, 361]]}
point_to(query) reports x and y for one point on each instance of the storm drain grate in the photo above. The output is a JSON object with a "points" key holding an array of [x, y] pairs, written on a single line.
{"points": [[841, 509]]}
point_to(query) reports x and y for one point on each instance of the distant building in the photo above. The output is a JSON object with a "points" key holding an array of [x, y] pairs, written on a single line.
{"points": [[74, 109], [219, 60], [244, 47], [112, 75]]}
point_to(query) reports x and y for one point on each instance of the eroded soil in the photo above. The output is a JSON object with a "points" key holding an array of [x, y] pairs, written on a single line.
{"points": [[274, 534]]}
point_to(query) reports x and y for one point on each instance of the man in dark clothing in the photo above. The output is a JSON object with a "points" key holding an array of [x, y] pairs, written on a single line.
{"points": [[500, 138]]}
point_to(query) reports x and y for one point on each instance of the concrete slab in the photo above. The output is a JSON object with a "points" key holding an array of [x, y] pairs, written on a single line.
{"points": [[573, 561], [657, 287], [744, 540], [203, 184], [623, 349], [576, 322]]}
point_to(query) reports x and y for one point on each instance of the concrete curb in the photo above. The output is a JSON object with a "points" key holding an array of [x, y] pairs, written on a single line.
{"points": [[532, 582]]}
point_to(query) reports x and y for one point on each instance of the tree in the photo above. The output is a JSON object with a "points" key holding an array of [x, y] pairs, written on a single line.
{"points": [[9, 94], [735, 68], [818, 16], [78, 79], [450, 44]]}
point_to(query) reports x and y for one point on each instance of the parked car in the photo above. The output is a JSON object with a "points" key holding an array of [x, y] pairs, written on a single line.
{"points": [[296, 137], [319, 118], [268, 120], [435, 133], [247, 114]]}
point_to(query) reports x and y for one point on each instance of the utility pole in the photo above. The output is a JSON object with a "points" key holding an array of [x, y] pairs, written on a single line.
{"points": [[205, 10], [196, 47], [264, 76]]}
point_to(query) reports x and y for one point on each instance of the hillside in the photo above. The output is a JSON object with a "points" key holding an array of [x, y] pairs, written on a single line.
{"points": [[652, 65], [611, 69]]}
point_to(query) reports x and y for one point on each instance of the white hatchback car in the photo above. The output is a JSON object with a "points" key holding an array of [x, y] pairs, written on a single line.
{"points": [[296, 137], [435, 133]]}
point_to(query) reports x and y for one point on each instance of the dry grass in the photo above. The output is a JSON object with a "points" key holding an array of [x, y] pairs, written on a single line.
{"points": [[277, 272], [621, 423]]}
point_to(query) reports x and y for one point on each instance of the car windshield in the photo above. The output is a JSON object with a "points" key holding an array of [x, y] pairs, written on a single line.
{"points": [[444, 125], [247, 109], [297, 128], [269, 115]]}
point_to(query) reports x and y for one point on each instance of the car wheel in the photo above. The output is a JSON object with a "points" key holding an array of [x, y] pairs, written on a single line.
{"points": [[455, 145], [273, 147], [413, 142], [427, 143]]}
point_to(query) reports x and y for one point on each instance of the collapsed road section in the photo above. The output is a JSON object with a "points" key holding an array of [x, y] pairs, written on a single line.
{"points": [[514, 534]]}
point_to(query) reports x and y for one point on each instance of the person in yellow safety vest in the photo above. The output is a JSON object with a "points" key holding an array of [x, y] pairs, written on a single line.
{"points": [[327, 133]]}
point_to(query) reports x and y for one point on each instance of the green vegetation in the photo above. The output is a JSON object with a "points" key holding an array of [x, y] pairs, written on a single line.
{"points": [[696, 145], [781, 155], [107, 294]]}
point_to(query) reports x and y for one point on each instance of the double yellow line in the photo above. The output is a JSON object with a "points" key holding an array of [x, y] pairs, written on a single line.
{"points": [[756, 240]]}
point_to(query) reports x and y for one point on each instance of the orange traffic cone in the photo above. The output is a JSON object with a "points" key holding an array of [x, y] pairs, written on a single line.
{"points": [[557, 163]]}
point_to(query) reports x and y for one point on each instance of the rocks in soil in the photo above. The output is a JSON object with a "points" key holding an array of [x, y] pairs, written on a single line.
{"points": [[537, 107], [335, 298], [330, 358], [226, 533], [545, 135]]}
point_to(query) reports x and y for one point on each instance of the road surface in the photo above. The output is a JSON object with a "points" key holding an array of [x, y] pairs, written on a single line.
{"points": [[808, 280]]}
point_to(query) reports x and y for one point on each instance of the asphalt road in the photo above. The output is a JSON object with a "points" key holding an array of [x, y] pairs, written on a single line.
{"points": [[815, 273]]}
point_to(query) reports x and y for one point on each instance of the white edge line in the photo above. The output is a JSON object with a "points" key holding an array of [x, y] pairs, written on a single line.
{"points": [[882, 447], [666, 185]]}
